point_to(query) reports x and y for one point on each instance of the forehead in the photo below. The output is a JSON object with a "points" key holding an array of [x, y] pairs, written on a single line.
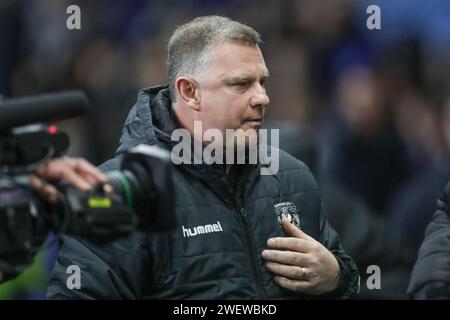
{"points": [[235, 59]]}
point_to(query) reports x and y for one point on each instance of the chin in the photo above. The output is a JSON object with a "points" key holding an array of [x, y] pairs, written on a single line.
{"points": [[251, 139]]}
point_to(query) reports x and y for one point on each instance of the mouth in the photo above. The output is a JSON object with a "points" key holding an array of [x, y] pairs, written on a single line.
{"points": [[254, 122]]}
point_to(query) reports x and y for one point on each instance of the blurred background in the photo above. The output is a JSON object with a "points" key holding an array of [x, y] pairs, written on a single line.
{"points": [[367, 110]]}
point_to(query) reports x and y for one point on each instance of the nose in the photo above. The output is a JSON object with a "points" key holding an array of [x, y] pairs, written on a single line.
{"points": [[260, 99]]}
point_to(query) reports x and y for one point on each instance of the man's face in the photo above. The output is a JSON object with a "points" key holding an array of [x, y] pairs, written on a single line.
{"points": [[232, 91]]}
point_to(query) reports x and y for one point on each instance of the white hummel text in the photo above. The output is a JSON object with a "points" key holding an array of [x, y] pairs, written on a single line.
{"points": [[195, 231]]}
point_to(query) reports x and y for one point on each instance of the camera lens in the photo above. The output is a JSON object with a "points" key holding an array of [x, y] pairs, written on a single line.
{"points": [[145, 184], [125, 184]]}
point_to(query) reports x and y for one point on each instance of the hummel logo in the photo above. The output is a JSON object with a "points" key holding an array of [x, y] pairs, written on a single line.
{"points": [[195, 231]]}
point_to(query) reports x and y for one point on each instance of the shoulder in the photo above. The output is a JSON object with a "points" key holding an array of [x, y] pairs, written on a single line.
{"points": [[290, 170], [289, 162]]}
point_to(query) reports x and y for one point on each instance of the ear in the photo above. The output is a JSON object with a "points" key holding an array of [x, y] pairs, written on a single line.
{"points": [[188, 92]]}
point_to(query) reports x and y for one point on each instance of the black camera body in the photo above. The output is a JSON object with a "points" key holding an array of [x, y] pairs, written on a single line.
{"points": [[140, 200]]}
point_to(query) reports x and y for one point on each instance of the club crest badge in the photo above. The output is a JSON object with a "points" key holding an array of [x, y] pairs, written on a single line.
{"points": [[289, 210]]}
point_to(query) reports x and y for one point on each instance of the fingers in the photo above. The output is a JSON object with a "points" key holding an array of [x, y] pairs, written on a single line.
{"points": [[286, 257], [76, 180], [47, 190], [108, 188], [293, 244], [84, 170], [77, 172], [88, 170], [298, 240], [291, 272], [293, 285], [51, 193], [292, 230]]}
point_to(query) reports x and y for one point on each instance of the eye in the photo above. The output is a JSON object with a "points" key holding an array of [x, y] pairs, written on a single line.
{"points": [[263, 82], [241, 84]]}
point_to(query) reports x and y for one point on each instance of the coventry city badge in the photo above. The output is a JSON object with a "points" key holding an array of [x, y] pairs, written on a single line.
{"points": [[289, 210]]}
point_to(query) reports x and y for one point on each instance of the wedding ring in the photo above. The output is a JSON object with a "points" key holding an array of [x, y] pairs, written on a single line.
{"points": [[304, 272]]}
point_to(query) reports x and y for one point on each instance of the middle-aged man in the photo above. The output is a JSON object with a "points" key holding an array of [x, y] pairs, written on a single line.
{"points": [[232, 239]]}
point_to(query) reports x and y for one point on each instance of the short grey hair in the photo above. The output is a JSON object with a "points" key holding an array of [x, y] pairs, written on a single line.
{"points": [[189, 48]]}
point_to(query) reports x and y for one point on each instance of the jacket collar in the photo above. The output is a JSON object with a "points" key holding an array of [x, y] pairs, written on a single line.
{"points": [[151, 121]]}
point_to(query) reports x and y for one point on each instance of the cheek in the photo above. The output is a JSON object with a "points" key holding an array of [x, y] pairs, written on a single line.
{"points": [[224, 110], [234, 117], [216, 116], [237, 110]]}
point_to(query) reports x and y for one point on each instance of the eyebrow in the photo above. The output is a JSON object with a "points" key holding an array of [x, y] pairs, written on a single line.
{"points": [[246, 78]]}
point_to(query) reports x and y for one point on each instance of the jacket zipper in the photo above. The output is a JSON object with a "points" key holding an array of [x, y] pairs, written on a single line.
{"points": [[251, 247]]}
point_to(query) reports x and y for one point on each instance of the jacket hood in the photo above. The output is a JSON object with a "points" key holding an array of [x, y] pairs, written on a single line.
{"points": [[149, 122]]}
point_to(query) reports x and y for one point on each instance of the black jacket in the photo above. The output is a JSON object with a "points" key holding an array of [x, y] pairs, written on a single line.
{"points": [[430, 278], [223, 223]]}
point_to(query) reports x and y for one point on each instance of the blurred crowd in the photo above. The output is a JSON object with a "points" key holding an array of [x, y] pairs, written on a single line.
{"points": [[367, 110]]}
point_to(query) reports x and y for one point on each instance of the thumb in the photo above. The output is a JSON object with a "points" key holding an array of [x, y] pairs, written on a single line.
{"points": [[292, 230]]}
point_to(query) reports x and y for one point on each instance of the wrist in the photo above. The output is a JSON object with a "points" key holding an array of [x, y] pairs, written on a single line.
{"points": [[337, 274]]}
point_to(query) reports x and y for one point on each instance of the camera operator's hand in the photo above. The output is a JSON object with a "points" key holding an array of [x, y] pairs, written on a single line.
{"points": [[76, 171]]}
